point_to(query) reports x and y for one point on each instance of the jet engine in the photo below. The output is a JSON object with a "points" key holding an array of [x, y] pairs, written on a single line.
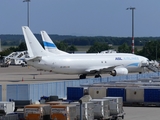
{"points": [[119, 71]]}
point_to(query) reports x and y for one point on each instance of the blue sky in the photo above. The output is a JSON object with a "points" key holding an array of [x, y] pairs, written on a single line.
{"points": [[82, 17]]}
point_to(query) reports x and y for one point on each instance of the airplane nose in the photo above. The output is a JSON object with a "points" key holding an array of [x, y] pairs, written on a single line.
{"points": [[145, 63]]}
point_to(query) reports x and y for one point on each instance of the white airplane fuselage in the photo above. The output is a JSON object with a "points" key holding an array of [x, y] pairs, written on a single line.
{"points": [[82, 64], [79, 64]]}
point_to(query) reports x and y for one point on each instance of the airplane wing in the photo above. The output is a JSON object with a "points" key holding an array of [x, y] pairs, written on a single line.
{"points": [[36, 58], [102, 69]]}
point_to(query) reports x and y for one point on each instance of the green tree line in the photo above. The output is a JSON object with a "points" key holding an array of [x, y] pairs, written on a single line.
{"points": [[15, 40], [150, 45]]}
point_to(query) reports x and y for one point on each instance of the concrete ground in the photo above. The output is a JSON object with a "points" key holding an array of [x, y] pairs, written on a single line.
{"points": [[142, 113], [18, 75]]}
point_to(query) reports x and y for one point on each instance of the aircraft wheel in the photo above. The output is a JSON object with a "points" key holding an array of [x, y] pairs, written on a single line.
{"points": [[83, 76], [97, 76]]}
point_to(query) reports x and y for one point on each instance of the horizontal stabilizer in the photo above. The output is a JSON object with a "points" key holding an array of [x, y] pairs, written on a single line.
{"points": [[37, 58]]}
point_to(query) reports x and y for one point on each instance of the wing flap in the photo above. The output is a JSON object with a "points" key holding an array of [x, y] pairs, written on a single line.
{"points": [[101, 69]]}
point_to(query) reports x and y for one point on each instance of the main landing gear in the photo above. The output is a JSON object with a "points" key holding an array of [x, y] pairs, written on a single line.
{"points": [[97, 76], [83, 76]]}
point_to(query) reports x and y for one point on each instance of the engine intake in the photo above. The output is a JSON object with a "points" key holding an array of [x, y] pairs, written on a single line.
{"points": [[119, 71]]}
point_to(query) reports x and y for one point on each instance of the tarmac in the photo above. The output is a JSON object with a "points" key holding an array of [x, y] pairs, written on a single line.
{"points": [[22, 75]]}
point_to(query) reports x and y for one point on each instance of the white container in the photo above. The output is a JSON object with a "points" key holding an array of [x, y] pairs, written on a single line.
{"points": [[134, 94], [115, 105], [7, 107], [87, 108], [101, 108], [97, 92]]}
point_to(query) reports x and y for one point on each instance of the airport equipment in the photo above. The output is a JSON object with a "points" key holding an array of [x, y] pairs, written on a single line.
{"points": [[12, 116], [6, 107], [116, 92], [37, 112], [87, 110], [50, 98], [63, 112], [101, 108], [134, 94], [16, 58], [21, 103], [75, 93], [152, 94], [57, 102], [115, 107], [97, 92]]}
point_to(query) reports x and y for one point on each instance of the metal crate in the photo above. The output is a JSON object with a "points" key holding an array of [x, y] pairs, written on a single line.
{"points": [[101, 108]]}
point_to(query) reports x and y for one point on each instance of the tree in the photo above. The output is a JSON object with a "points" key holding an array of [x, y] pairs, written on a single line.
{"points": [[22, 47], [151, 50], [72, 49], [124, 48], [62, 46], [98, 47]]}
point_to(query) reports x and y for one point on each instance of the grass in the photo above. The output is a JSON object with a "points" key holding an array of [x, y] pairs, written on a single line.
{"points": [[86, 48], [83, 48]]}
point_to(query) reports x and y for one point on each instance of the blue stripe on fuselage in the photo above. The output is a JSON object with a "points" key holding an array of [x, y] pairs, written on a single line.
{"points": [[47, 44], [134, 64]]}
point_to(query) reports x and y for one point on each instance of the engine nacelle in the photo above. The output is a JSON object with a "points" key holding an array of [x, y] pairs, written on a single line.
{"points": [[119, 71]]}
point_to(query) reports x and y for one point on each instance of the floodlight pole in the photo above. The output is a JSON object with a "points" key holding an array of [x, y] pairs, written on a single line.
{"points": [[27, 11], [132, 8]]}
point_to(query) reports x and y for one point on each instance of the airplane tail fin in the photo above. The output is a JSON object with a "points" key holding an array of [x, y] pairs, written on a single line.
{"points": [[49, 44], [33, 46]]}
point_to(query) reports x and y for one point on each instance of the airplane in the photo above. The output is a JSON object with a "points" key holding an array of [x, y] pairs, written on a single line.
{"points": [[49, 45], [81, 64]]}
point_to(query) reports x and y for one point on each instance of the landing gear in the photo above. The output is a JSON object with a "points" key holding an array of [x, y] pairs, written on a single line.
{"points": [[83, 76], [97, 76]]}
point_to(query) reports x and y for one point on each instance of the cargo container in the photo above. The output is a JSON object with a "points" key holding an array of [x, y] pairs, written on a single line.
{"points": [[152, 94], [75, 93], [101, 108], [117, 92], [63, 112], [37, 112], [57, 102], [7, 107], [115, 105], [87, 108], [134, 94], [97, 92]]}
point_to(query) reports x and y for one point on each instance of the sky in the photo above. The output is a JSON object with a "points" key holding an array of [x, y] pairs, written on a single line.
{"points": [[82, 17]]}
